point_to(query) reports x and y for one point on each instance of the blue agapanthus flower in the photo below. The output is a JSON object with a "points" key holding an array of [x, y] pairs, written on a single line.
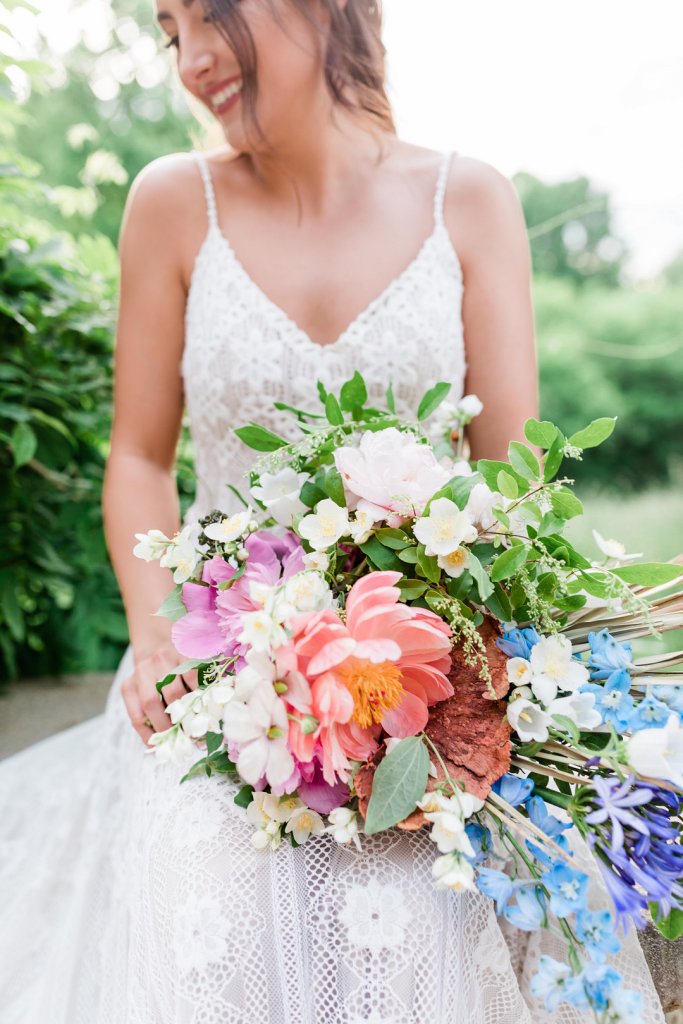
{"points": [[567, 888], [612, 699], [608, 655], [513, 788], [517, 643]]}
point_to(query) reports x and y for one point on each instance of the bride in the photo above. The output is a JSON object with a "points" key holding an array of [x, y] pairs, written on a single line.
{"points": [[313, 244]]}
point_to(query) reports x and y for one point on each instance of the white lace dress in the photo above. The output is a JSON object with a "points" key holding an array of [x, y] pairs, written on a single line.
{"points": [[127, 898]]}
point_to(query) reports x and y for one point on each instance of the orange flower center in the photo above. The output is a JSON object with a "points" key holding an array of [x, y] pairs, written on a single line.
{"points": [[375, 688]]}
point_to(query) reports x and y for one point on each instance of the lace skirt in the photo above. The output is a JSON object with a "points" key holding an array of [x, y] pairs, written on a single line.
{"points": [[128, 898]]}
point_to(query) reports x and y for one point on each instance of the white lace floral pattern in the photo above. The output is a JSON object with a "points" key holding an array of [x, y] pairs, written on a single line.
{"points": [[129, 898]]}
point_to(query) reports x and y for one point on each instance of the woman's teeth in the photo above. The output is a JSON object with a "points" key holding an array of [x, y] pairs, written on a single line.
{"points": [[219, 98]]}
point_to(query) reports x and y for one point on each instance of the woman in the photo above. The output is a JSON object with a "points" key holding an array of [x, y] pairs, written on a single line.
{"points": [[356, 250]]}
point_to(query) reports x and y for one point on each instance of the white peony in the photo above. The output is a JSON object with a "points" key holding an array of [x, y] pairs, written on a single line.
{"points": [[554, 668], [445, 528], [324, 527], [279, 494], [658, 753]]}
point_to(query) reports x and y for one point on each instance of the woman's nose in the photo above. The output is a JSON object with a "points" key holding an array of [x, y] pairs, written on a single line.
{"points": [[195, 64]]}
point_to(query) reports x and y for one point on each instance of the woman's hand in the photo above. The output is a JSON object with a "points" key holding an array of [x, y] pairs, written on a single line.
{"points": [[143, 701]]}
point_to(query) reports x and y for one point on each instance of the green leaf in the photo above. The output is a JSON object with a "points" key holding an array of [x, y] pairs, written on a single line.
{"points": [[311, 494], [322, 391], [490, 468], [244, 796], [432, 399], [23, 443], [11, 610], [670, 926], [409, 555], [553, 459], [391, 404], [172, 607], [214, 740], [411, 589], [335, 487], [260, 439], [565, 503], [399, 782], [595, 433], [507, 485], [427, 565], [333, 411], [380, 556], [509, 562], [542, 433], [392, 538], [499, 605], [354, 393], [523, 460], [648, 574], [568, 726], [484, 584]]}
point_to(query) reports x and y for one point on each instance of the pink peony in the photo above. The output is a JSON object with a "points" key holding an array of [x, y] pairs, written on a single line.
{"points": [[390, 475], [379, 670]]}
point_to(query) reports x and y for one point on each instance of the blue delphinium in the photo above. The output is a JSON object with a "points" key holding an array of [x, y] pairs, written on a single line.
{"points": [[649, 714], [496, 885], [528, 913], [600, 982], [672, 696], [513, 789], [556, 983], [517, 643], [608, 655], [567, 888], [612, 699], [554, 828], [627, 1005], [595, 928], [480, 840]]}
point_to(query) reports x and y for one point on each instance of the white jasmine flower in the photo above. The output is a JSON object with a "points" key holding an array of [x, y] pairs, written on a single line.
{"points": [[183, 553], [317, 560], [263, 594], [279, 494], [529, 721], [227, 530], [554, 668], [343, 826], [519, 671], [461, 467], [152, 545], [453, 872], [455, 563], [579, 707], [307, 591], [362, 525], [260, 727], [260, 631], [324, 527], [269, 835], [171, 745], [613, 548], [658, 753], [215, 698], [481, 503], [445, 528], [304, 823]]}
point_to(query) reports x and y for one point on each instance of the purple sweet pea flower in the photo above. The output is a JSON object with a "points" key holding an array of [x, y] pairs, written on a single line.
{"points": [[198, 634]]}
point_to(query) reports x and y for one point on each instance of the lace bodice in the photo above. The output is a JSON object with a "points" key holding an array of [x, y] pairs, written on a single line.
{"points": [[242, 352]]}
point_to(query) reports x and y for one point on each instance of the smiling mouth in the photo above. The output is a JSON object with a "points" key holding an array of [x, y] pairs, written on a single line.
{"points": [[220, 98]]}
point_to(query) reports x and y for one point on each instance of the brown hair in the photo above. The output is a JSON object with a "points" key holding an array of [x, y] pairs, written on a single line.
{"points": [[353, 61]]}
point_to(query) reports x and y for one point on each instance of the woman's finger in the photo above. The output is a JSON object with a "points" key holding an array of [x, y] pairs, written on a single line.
{"points": [[131, 699]]}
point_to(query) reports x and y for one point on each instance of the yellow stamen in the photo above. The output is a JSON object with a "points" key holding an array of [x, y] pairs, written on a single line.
{"points": [[375, 688]]}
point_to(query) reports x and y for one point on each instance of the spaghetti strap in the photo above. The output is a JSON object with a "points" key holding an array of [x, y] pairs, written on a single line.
{"points": [[440, 193], [208, 189]]}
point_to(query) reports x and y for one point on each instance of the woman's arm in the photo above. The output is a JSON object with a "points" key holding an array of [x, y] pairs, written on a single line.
{"points": [[485, 218], [139, 487]]}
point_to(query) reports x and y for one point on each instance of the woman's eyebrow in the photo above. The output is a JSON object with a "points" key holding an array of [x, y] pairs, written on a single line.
{"points": [[165, 16]]}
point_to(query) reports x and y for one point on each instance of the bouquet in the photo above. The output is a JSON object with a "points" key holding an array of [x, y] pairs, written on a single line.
{"points": [[389, 636]]}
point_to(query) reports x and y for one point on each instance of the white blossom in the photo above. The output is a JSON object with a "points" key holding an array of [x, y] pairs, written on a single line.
{"points": [[554, 668], [231, 528], [151, 545], [324, 527], [183, 554], [658, 753], [469, 407], [452, 871], [481, 503], [613, 548], [362, 525], [445, 528], [304, 823], [171, 745], [306, 591], [279, 493], [317, 560], [343, 826], [579, 707], [455, 563], [529, 721], [519, 671], [260, 728]]}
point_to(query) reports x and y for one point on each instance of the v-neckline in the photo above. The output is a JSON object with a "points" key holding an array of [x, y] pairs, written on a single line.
{"points": [[365, 313]]}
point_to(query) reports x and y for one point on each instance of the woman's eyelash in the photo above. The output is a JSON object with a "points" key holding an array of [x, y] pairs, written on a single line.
{"points": [[173, 41], [210, 19]]}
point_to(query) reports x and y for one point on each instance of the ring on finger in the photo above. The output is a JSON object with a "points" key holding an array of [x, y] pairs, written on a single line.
{"points": [[147, 722]]}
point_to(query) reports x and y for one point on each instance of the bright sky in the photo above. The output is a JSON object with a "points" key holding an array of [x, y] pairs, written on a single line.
{"points": [[590, 87]]}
